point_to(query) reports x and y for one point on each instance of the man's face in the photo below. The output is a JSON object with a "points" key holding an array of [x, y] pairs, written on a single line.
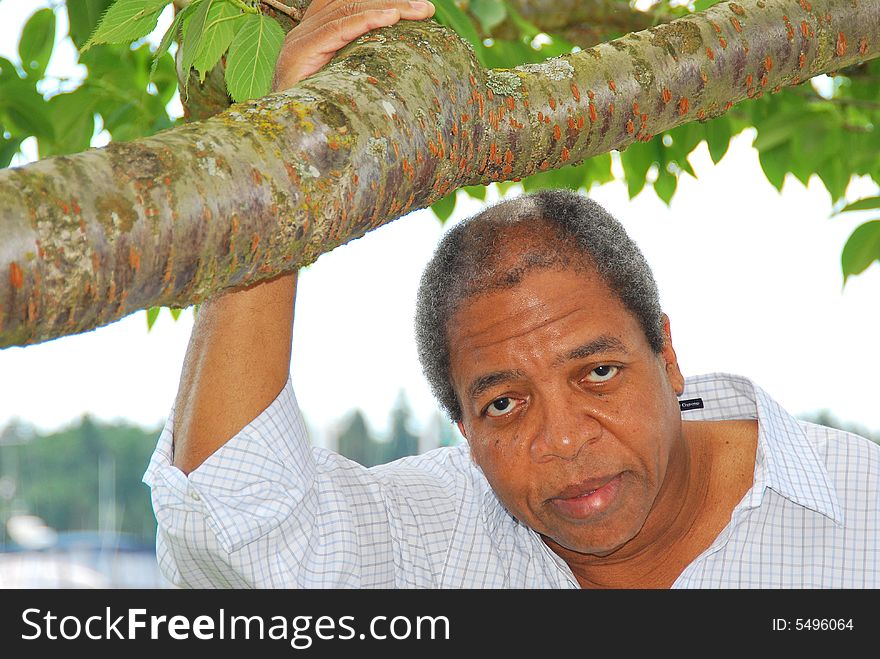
{"points": [[569, 413]]}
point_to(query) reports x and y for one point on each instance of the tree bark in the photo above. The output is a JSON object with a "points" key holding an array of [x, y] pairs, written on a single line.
{"points": [[399, 119]]}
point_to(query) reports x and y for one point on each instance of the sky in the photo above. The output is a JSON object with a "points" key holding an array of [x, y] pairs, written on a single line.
{"points": [[750, 279]]}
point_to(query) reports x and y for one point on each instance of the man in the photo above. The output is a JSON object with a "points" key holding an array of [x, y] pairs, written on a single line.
{"points": [[540, 330]]}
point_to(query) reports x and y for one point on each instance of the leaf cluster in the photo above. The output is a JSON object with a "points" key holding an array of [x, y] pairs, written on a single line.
{"points": [[826, 129], [58, 474], [205, 31], [117, 93]]}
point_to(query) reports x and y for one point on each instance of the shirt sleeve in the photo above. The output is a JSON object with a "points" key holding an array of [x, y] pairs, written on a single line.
{"points": [[268, 510]]}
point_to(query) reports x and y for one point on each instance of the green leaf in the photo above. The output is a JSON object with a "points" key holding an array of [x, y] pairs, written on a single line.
{"points": [[120, 78], [193, 32], [173, 32], [83, 16], [476, 191], [775, 132], [803, 164], [126, 21], [164, 75], [573, 178], [24, 110], [220, 28], [685, 165], [868, 203], [37, 41], [73, 116], [600, 169], [447, 13], [775, 163], [489, 12], [152, 315], [175, 313], [702, 5], [528, 30], [8, 71], [834, 176], [861, 250], [504, 186], [685, 138], [8, 149], [251, 59], [718, 134], [665, 185], [818, 138], [504, 54], [557, 47], [444, 207], [637, 160]]}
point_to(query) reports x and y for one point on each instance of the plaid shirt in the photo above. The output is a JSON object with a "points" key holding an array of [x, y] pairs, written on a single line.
{"points": [[269, 510]]}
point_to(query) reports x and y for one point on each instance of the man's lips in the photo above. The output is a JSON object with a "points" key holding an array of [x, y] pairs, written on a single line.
{"points": [[584, 487], [588, 497]]}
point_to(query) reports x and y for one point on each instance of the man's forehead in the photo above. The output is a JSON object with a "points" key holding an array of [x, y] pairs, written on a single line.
{"points": [[512, 257], [534, 283], [507, 237], [556, 314]]}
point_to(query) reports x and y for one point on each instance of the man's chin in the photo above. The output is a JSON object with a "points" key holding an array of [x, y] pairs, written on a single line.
{"points": [[593, 545]]}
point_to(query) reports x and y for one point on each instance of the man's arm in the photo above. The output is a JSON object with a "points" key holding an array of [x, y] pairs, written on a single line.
{"points": [[238, 358]]}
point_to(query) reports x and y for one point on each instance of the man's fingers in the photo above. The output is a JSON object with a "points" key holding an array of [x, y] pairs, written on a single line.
{"points": [[407, 9], [348, 28], [307, 53], [339, 23], [335, 24]]}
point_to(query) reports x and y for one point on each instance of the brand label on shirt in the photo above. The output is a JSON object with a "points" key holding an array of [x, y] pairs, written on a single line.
{"points": [[691, 404]]}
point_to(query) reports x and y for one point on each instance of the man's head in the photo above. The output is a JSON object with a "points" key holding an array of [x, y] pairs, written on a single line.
{"points": [[540, 331]]}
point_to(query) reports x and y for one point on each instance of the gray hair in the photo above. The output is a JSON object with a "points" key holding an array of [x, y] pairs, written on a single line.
{"points": [[561, 229]]}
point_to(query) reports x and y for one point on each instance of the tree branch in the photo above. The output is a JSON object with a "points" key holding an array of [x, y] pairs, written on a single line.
{"points": [[582, 22], [398, 120], [292, 13]]}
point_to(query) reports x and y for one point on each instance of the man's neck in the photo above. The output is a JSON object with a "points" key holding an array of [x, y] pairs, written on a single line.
{"points": [[708, 474]]}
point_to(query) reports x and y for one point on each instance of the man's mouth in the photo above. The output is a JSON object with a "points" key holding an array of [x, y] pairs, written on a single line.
{"points": [[587, 498]]}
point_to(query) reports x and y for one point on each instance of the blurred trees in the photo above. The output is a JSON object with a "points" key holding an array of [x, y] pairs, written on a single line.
{"points": [[84, 477], [357, 442]]}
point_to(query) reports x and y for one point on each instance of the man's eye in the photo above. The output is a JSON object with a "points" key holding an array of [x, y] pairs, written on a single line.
{"points": [[500, 406], [602, 373]]}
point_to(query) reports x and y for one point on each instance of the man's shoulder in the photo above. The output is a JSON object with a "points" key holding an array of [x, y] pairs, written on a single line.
{"points": [[844, 449], [853, 466], [445, 465]]}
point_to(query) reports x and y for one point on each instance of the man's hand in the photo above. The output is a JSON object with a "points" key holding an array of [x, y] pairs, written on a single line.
{"points": [[328, 25]]}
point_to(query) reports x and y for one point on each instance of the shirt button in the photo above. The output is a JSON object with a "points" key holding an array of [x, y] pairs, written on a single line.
{"points": [[195, 496]]}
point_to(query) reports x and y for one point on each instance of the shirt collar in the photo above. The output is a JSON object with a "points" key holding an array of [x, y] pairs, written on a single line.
{"points": [[786, 461]]}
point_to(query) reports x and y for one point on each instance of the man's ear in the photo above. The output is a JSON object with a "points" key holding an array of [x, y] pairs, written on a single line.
{"points": [[673, 372], [462, 430]]}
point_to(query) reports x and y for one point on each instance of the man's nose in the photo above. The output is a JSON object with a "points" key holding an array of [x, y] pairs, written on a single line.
{"points": [[564, 433]]}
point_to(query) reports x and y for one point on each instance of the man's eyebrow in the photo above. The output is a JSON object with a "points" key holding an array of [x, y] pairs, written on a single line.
{"points": [[604, 343], [480, 384]]}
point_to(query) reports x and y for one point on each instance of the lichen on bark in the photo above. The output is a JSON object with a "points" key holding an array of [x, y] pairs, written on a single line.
{"points": [[399, 119]]}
